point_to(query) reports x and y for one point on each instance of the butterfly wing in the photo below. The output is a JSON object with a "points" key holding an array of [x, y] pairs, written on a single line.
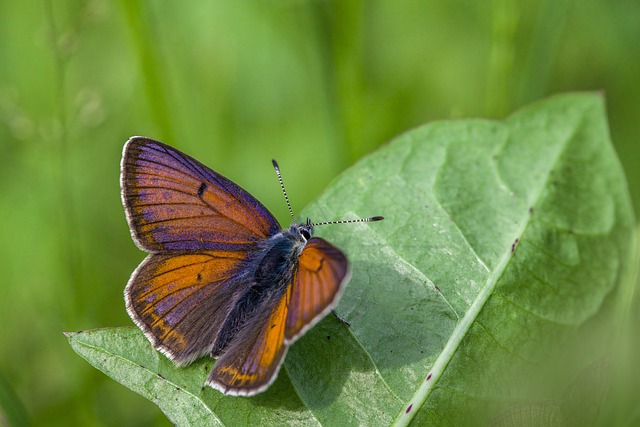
{"points": [[175, 203], [180, 300], [252, 361], [317, 285]]}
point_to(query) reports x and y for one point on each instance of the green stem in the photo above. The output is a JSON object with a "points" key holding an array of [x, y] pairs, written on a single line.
{"points": [[501, 69], [146, 46]]}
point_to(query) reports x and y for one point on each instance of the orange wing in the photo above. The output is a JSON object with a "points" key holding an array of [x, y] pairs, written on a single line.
{"points": [[254, 358], [180, 300], [317, 284]]}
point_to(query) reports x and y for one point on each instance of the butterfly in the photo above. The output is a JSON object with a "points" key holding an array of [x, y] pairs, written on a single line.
{"points": [[222, 278]]}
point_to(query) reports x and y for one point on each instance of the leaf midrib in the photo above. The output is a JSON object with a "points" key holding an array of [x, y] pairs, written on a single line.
{"points": [[410, 409]]}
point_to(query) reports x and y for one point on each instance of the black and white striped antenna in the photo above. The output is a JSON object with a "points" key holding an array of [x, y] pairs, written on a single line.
{"points": [[342, 221], [277, 168], [349, 221]]}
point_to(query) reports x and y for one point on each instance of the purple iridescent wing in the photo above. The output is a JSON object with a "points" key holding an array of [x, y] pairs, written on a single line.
{"points": [[175, 203]]}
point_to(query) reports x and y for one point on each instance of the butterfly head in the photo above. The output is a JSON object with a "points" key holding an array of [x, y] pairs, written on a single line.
{"points": [[306, 230], [299, 234]]}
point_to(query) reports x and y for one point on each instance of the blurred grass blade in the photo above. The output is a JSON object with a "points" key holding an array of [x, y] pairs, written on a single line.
{"points": [[12, 412]]}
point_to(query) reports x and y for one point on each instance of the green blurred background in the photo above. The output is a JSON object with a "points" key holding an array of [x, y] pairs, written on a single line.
{"points": [[315, 84]]}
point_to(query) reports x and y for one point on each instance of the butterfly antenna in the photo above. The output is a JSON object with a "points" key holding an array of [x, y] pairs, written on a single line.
{"points": [[275, 166], [349, 221]]}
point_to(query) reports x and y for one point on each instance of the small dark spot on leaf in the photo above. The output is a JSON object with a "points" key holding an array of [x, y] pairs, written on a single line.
{"points": [[202, 389], [429, 376], [408, 409], [531, 210], [177, 388], [161, 376], [437, 288], [514, 245], [328, 337]]}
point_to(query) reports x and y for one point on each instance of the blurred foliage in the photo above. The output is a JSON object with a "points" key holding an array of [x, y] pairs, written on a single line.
{"points": [[315, 84]]}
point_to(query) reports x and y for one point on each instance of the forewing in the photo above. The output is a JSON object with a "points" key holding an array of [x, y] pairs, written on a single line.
{"points": [[173, 202], [252, 361], [317, 285], [180, 300]]}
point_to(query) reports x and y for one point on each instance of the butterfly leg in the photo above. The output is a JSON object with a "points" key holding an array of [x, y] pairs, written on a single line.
{"points": [[340, 318]]}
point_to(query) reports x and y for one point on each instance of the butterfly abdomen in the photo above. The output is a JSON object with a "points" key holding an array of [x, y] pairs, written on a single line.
{"points": [[272, 274]]}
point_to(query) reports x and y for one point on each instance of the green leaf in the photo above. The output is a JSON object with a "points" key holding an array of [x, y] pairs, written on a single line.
{"points": [[499, 274]]}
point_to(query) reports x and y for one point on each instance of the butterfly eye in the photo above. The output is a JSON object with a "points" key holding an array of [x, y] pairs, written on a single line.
{"points": [[305, 233]]}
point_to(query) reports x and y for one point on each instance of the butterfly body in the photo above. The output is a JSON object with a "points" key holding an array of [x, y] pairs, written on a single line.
{"points": [[222, 278], [270, 272]]}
